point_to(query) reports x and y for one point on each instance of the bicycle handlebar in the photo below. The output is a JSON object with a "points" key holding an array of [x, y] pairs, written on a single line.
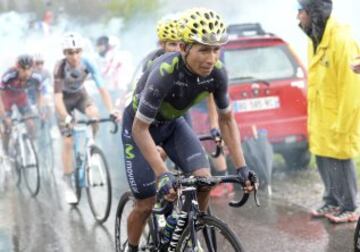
{"points": [[100, 120], [212, 181], [24, 118], [218, 143]]}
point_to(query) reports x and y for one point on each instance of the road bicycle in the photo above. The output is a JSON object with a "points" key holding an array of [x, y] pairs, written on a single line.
{"points": [[195, 230], [91, 168], [23, 155]]}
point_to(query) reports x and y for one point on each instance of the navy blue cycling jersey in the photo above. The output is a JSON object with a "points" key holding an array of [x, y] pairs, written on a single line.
{"points": [[149, 59], [168, 89]]}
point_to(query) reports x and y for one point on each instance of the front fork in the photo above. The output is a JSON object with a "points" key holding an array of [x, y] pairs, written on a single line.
{"points": [[91, 164]]}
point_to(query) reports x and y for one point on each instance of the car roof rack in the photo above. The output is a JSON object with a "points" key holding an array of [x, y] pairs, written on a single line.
{"points": [[246, 30]]}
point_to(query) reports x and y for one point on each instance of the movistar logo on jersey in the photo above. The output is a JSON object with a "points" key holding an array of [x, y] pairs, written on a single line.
{"points": [[169, 68], [129, 151]]}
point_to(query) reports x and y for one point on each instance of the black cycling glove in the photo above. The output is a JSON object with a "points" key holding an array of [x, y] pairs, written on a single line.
{"points": [[166, 181]]}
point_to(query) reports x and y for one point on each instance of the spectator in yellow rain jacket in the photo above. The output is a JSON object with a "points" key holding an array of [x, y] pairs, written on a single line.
{"points": [[333, 107]]}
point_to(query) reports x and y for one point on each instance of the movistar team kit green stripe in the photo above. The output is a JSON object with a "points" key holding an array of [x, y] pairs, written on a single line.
{"points": [[168, 89]]}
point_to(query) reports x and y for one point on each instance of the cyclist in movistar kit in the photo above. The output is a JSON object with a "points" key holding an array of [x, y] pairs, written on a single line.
{"points": [[169, 40], [70, 94], [173, 84], [13, 91]]}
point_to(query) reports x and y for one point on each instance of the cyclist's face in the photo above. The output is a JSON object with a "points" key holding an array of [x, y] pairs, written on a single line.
{"points": [[101, 49], [73, 56], [25, 74], [171, 46], [202, 58], [39, 65]]}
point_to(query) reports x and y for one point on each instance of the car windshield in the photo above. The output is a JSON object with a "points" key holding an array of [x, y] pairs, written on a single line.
{"points": [[261, 63]]}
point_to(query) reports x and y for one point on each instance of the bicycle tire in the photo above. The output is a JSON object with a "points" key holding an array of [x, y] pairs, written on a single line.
{"points": [[357, 237], [213, 223], [100, 218], [30, 148], [76, 182], [16, 161], [120, 244]]}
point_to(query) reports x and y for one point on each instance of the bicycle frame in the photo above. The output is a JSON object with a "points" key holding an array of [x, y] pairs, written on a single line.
{"points": [[188, 215], [18, 132], [83, 141]]}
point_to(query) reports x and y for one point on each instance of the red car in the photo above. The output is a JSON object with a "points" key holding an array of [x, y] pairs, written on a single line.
{"points": [[267, 86]]}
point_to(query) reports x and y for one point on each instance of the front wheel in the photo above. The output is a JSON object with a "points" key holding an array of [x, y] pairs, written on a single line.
{"points": [[31, 167], [212, 235], [124, 208], [99, 184]]}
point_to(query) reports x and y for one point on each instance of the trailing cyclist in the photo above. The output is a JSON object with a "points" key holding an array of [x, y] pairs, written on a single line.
{"points": [[173, 84], [70, 94], [167, 31], [14, 87]]}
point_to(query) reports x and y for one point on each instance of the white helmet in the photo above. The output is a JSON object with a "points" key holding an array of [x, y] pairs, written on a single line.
{"points": [[72, 41]]}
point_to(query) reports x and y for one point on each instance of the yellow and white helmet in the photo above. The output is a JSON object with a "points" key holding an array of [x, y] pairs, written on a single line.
{"points": [[203, 26], [167, 29]]}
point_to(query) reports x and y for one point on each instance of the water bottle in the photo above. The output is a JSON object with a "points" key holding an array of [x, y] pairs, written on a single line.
{"points": [[169, 228]]}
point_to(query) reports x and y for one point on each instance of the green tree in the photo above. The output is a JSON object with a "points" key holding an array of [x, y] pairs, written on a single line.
{"points": [[131, 9]]}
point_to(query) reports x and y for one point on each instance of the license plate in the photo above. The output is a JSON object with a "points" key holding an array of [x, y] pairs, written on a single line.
{"points": [[256, 104]]}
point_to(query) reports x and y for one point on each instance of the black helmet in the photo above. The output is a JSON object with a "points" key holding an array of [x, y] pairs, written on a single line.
{"points": [[103, 40], [25, 61]]}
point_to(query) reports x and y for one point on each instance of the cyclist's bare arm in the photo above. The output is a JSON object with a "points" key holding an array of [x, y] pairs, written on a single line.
{"points": [[147, 146], [231, 136], [2, 108], [106, 99], [59, 105], [40, 102], [213, 115]]}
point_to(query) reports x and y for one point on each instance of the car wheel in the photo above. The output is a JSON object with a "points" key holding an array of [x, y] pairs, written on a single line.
{"points": [[297, 159]]}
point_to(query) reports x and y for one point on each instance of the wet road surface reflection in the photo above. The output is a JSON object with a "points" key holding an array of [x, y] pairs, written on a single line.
{"points": [[47, 223]]}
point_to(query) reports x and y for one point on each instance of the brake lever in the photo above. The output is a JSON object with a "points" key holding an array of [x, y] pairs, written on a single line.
{"points": [[116, 127], [218, 143], [255, 183]]}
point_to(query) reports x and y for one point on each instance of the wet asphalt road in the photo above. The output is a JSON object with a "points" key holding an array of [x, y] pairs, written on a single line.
{"points": [[47, 223]]}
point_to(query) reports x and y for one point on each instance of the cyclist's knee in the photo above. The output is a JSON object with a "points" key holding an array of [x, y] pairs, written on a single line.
{"points": [[92, 111], [144, 206], [202, 172]]}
